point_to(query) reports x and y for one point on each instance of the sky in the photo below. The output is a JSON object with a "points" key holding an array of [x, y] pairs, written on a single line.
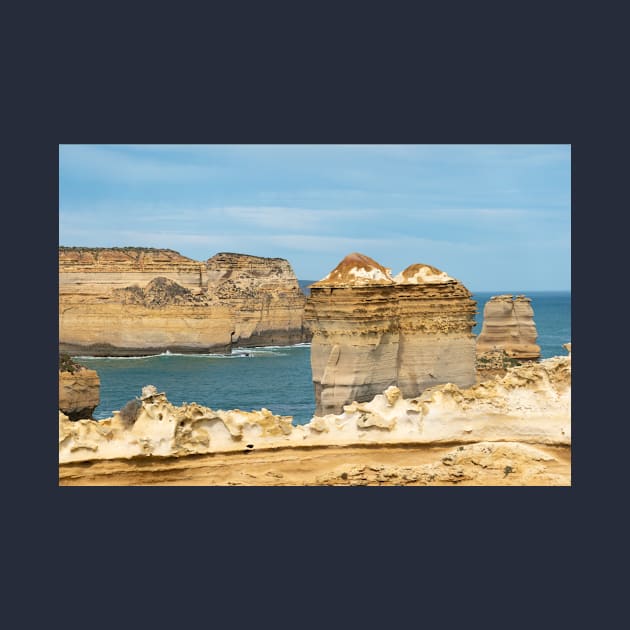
{"points": [[496, 217]]}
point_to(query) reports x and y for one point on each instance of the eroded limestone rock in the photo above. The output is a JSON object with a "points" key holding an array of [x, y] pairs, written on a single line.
{"points": [[79, 393], [531, 404]]}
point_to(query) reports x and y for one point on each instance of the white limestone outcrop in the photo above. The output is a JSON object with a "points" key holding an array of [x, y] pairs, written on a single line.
{"points": [[531, 404]]}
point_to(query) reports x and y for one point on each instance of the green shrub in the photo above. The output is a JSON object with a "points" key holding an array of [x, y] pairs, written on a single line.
{"points": [[66, 363]]}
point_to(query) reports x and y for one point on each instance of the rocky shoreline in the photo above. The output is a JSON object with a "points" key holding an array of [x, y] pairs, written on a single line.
{"points": [[511, 424]]}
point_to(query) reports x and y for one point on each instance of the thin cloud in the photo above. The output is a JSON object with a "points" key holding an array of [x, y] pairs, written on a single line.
{"points": [[288, 219], [267, 218], [123, 166], [347, 244]]}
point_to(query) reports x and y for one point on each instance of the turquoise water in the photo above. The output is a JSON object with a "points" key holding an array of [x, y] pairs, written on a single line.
{"points": [[278, 378]]}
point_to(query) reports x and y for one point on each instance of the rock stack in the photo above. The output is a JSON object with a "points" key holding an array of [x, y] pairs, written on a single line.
{"points": [[508, 325], [79, 390], [435, 318], [371, 330]]}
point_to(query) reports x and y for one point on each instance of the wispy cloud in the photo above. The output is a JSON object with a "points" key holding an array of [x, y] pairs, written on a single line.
{"points": [[119, 165], [268, 218], [288, 219], [315, 243]]}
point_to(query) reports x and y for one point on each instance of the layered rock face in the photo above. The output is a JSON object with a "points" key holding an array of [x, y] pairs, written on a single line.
{"points": [[354, 350], [79, 393], [435, 318], [264, 297], [143, 301], [97, 270], [508, 325], [371, 330]]}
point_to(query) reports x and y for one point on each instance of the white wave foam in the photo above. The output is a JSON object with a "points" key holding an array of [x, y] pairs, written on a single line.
{"points": [[295, 345], [156, 356], [93, 358], [237, 352]]}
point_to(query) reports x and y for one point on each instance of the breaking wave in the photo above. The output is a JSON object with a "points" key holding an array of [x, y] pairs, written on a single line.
{"points": [[237, 353]]}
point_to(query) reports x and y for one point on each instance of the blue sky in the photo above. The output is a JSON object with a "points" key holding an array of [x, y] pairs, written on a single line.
{"points": [[497, 217]]}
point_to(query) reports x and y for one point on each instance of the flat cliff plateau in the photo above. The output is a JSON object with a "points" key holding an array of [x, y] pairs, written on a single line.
{"points": [[372, 330], [135, 301], [514, 430]]}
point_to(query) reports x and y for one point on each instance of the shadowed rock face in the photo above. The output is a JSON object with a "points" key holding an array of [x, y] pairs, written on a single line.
{"points": [[129, 301], [371, 330], [508, 325]]}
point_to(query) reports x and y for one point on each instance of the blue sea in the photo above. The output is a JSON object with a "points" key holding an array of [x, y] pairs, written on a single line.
{"points": [[276, 377]]}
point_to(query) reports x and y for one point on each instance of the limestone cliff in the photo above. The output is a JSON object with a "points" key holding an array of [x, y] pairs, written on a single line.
{"points": [[79, 392], [264, 297], [371, 330], [508, 325], [96, 270], [531, 404], [129, 301]]}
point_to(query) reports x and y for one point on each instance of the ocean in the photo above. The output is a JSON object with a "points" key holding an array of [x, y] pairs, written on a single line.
{"points": [[275, 377]]}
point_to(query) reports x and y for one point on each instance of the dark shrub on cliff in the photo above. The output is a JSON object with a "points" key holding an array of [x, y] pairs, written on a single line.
{"points": [[129, 413], [66, 364]]}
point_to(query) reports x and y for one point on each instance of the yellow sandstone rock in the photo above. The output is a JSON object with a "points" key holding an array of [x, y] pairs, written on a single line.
{"points": [[508, 325], [371, 331], [79, 393]]}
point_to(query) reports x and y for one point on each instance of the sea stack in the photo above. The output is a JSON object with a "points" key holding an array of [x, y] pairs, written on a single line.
{"points": [[79, 389], [435, 318], [371, 330], [134, 301], [354, 351], [508, 325]]}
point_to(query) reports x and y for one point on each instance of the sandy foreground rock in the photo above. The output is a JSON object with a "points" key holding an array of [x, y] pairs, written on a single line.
{"points": [[480, 464], [515, 430]]}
